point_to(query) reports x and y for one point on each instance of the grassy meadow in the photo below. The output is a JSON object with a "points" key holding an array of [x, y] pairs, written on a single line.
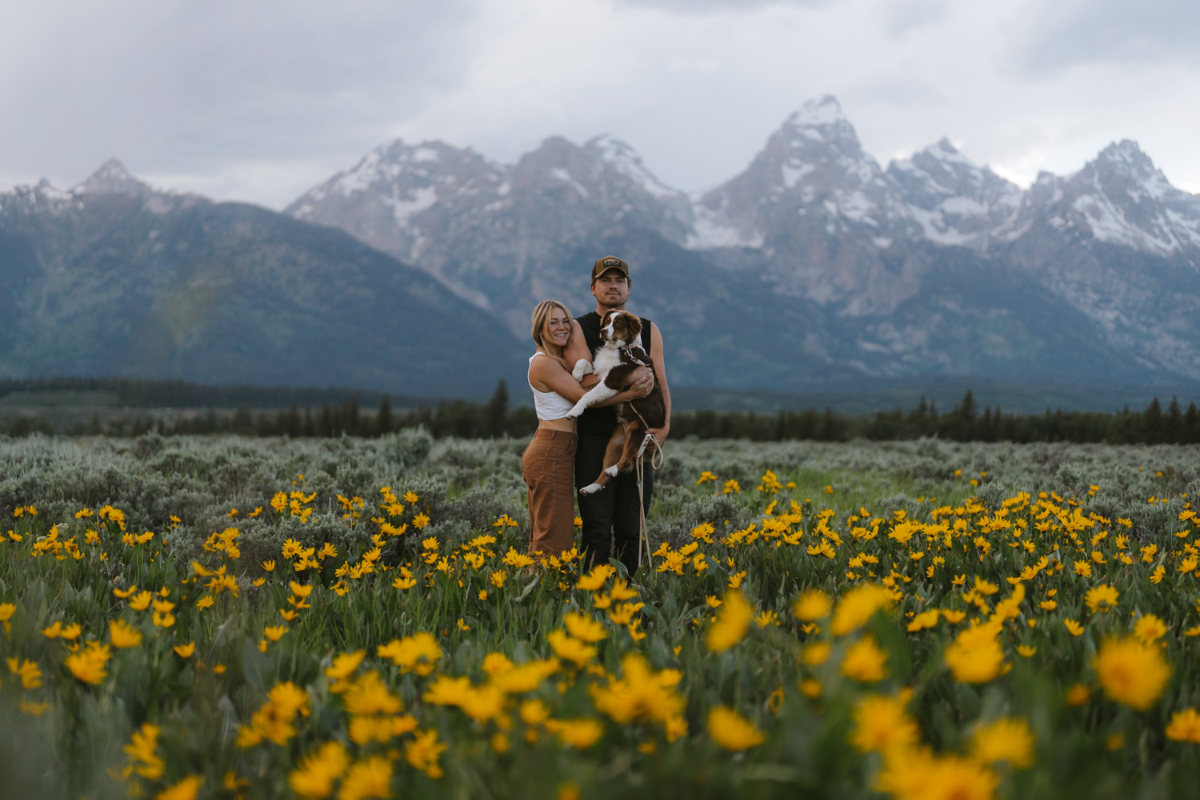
{"points": [[228, 616]]}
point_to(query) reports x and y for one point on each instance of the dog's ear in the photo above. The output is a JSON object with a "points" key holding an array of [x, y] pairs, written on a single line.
{"points": [[633, 327], [610, 317]]}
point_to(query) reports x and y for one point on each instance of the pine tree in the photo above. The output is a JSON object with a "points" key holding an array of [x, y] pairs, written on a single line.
{"points": [[1173, 423], [496, 415], [383, 417], [1153, 421], [968, 408]]}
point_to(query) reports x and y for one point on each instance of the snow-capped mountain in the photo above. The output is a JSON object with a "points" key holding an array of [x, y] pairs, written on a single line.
{"points": [[487, 229], [1120, 244], [905, 251], [955, 201], [813, 267], [115, 278]]}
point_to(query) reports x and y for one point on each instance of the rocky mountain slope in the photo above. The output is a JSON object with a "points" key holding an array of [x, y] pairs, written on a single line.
{"points": [[815, 264], [115, 279]]}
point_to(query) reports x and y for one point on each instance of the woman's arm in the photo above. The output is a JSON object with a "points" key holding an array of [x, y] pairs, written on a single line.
{"points": [[576, 348], [547, 375]]}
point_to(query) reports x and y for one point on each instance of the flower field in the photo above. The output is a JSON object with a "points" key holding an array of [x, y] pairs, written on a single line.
{"points": [[360, 618]]}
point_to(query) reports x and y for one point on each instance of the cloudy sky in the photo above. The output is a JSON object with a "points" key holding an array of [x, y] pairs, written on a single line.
{"points": [[259, 100]]}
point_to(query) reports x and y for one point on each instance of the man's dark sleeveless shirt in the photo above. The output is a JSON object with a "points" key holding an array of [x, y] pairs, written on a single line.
{"points": [[602, 420]]}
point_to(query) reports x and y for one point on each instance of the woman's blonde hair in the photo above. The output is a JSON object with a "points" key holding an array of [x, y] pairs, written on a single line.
{"points": [[539, 316]]}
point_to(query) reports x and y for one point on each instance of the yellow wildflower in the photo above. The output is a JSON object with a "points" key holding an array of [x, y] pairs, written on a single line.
{"points": [[881, 724], [732, 623], [371, 777], [976, 655], [89, 664], [864, 661], [585, 628], [578, 733], [186, 789], [1101, 598], [1185, 726], [418, 653], [731, 730], [570, 649], [319, 770], [813, 605], [1149, 628], [1004, 740], [857, 606], [1132, 672], [423, 751]]}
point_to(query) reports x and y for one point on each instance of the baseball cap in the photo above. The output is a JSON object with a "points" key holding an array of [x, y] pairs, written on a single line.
{"points": [[607, 263]]}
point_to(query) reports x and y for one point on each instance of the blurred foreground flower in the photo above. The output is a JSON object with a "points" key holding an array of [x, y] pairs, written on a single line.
{"points": [[1132, 672], [731, 730], [731, 624]]}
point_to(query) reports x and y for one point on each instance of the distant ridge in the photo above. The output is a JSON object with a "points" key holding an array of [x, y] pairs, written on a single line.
{"points": [[865, 399], [117, 279], [134, 393], [906, 394]]}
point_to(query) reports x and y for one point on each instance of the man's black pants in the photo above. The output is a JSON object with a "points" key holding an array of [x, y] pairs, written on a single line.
{"points": [[610, 517]]}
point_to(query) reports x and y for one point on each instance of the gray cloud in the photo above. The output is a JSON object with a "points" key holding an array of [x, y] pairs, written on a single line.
{"points": [[709, 6], [1049, 36], [900, 17], [181, 88], [259, 101]]}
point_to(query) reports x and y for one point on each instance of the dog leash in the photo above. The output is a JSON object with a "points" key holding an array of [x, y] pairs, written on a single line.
{"points": [[656, 461]]}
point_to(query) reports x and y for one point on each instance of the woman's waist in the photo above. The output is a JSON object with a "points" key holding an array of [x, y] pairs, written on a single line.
{"points": [[566, 426]]}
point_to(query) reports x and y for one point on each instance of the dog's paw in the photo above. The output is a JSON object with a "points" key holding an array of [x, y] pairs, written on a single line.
{"points": [[582, 367], [591, 488], [576, 411], [612, 471]]}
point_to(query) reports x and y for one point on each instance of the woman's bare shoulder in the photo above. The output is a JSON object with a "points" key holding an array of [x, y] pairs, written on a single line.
{"points": [[543, 366]]}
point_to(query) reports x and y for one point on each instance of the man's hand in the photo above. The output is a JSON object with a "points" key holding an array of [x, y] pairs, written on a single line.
{"points": [[660, 434], [642, 384]]}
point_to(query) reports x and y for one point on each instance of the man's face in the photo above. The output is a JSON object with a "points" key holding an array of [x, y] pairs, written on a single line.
{"points": [[611, 289]]}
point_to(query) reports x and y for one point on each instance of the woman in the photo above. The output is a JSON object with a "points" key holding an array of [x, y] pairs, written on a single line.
{"points": [[549, 461]]}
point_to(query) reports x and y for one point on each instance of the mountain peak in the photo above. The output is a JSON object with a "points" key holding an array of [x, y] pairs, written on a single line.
{"points": [[946, 151], [817, 112], [1123, 169], [819, 123], [1126, 151], [112, 178]]}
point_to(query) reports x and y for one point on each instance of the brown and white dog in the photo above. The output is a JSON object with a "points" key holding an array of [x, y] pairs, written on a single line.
{"points": [[613, 362]]}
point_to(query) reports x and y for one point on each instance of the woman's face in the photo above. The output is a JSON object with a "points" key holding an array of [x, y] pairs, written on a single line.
{"points": [[557, 329]]}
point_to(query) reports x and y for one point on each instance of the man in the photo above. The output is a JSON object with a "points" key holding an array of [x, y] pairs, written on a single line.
{"points": [[611, 518]]}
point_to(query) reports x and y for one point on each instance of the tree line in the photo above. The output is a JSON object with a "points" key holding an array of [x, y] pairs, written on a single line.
{"points": [[495, 419]]}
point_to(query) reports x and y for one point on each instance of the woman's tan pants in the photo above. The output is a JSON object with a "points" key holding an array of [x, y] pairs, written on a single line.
{"points": [[549, 470]]}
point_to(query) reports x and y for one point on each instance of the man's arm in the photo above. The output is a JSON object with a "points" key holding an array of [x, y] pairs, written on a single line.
{"points": [[660, 370]]}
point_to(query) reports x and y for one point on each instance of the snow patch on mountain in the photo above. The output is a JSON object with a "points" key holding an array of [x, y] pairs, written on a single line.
{"points": [[625, 160], [711, 230], [403, 209]]}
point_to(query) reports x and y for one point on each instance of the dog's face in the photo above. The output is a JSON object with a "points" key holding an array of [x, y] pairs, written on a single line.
{"points": [[620, 328]]}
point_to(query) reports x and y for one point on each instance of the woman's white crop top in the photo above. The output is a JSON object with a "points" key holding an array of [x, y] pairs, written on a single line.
{"points": [[548, 405]]}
